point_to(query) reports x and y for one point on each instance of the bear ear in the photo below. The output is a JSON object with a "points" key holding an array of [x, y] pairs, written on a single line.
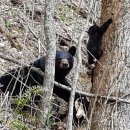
{"points": [[72, 50], [94, 23]]}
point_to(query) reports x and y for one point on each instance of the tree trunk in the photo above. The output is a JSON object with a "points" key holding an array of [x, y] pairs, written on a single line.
{"points": [[50, 57], [114, 78]]}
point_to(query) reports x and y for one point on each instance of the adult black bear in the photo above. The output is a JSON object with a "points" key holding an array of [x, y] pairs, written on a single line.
{"points": [[95, 33], [18, 80]]}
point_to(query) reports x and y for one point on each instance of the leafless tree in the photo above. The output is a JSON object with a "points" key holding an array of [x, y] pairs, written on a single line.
{"points": [[50, 35]]}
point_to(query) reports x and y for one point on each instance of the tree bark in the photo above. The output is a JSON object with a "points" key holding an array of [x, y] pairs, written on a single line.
{"points": [[114, 78], [49, 29]]}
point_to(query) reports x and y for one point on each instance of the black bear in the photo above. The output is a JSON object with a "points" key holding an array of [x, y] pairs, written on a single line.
{"points": [[63, 64], [18, 80], [95, 33]]}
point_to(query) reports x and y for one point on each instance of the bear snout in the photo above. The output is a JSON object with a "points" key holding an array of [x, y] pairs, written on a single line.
{"points": [[64, 64]]}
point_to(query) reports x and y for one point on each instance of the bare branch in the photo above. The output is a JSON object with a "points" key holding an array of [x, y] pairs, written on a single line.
{"points": [[110, 98], [9, 59]]}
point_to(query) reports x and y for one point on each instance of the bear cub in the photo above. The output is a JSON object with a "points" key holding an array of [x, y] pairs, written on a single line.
{"points": [[94, 45]]}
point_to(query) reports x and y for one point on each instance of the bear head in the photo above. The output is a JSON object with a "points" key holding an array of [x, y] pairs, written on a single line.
{"points": [[96, 30], [93, 29], [64, 61]]}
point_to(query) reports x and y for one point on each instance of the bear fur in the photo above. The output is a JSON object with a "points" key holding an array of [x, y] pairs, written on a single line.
{"points": [[95, 33]]}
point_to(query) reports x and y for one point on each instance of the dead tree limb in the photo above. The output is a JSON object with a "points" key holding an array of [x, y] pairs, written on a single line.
{"points": [[41, 73], [110, 98], [90, 95]]}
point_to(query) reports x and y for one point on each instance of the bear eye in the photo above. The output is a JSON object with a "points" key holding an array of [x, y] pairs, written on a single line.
{"points": [[69, 59], [59, 60]]}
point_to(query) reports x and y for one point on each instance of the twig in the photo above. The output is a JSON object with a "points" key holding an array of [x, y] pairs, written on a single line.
{"points": [[95, 58], [2, 56], [32, 32], [80, 10], [5, 98]]}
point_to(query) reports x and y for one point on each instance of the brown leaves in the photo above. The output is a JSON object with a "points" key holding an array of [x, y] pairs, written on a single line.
{"points": [[12, 38]]}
